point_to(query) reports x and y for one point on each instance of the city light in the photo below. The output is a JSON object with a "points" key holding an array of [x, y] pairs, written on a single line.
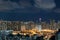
{"points": [[18, 28]]}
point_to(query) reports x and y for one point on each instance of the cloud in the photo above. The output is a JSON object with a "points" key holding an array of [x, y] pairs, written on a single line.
{"points": [[21, 7], [7, 5], [45, 4], [57, 10], [26, 6]]}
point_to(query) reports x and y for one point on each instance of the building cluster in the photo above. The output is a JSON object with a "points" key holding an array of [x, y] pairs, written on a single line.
{"points": [[20, 25], [52, 24], [16, 25]]}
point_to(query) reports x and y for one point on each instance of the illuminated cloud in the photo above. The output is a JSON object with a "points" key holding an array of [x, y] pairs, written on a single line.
{"points": [[45, 4]]}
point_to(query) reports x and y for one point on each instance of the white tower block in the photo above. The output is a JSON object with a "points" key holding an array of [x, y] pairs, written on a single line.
{"points": [[39, 27]]}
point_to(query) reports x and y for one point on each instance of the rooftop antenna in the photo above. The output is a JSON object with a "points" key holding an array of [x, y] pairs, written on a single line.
{"points": [[40, 20]]}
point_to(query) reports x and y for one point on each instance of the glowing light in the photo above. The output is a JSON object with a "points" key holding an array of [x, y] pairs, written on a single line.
{"points": [[14, 33]]}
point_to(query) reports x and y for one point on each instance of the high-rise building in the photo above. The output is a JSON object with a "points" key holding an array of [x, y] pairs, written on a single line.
{"points": [[52, 24], [10, 25], [3, 25], [58, 24], [30, 25], [43, 24], [38, 27], [22, 26]]}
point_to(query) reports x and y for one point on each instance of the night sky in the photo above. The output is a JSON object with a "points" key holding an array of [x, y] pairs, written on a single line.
{"points": [[25, 10]]}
